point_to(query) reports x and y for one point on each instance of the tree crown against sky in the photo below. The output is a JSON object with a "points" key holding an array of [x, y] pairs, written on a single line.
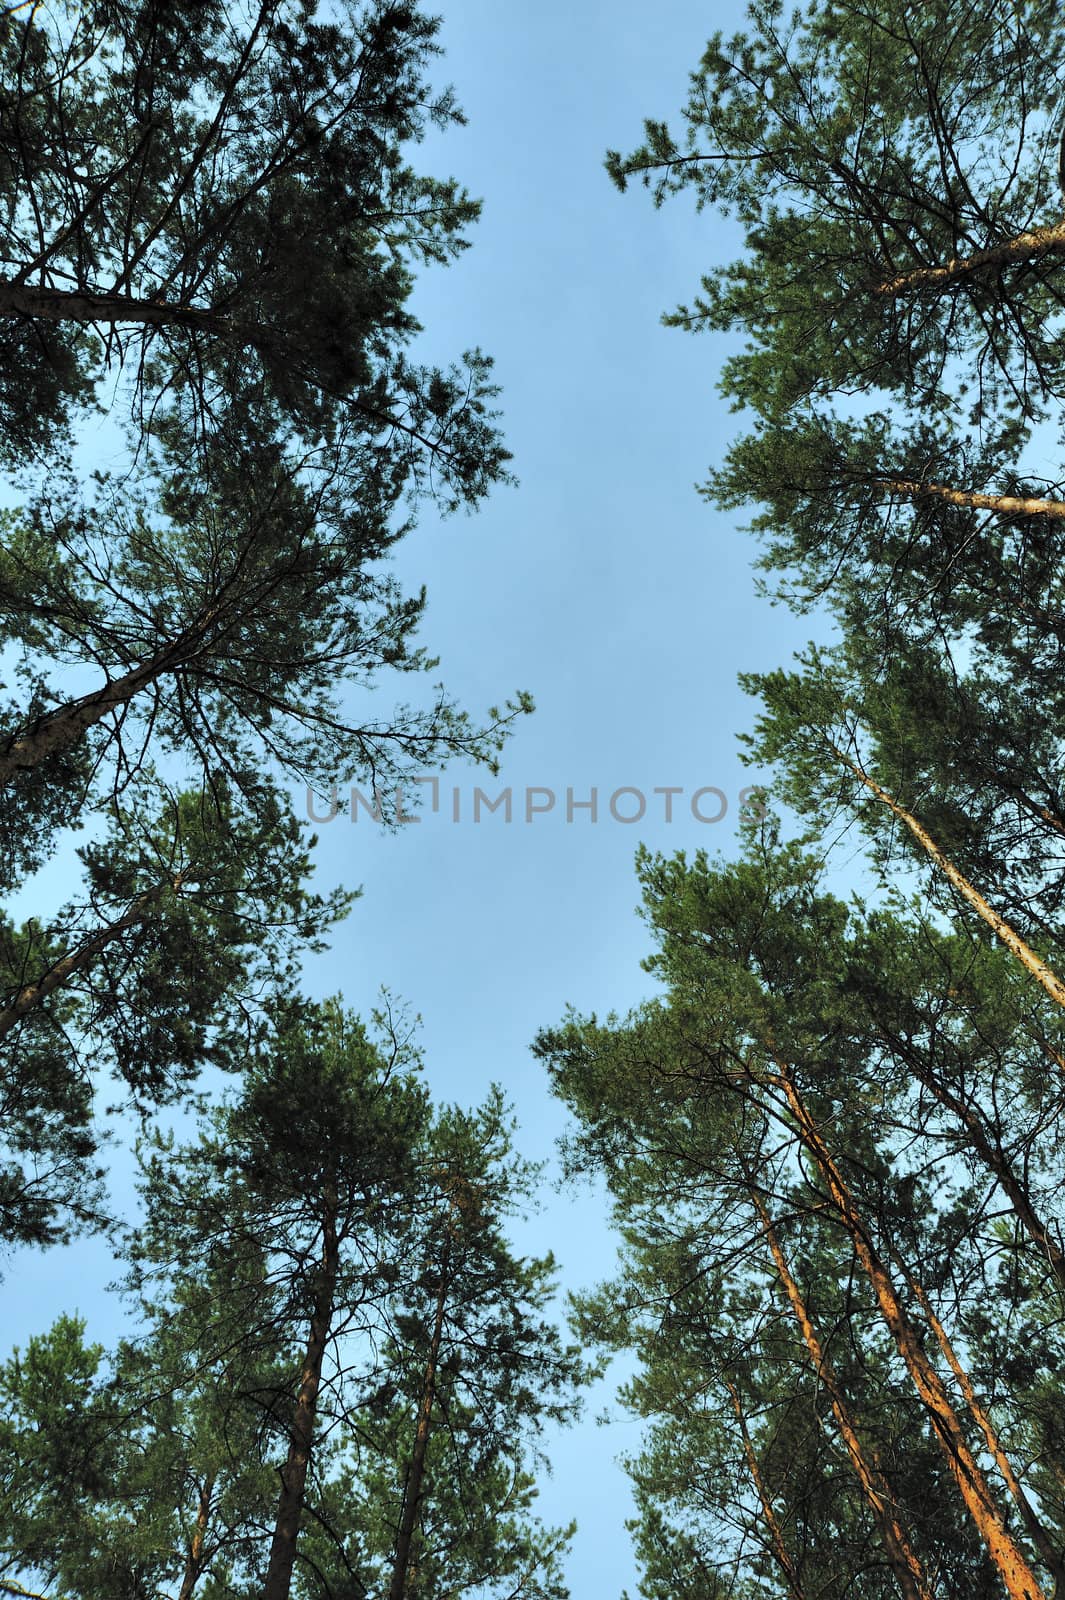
{"points": [[238, 615], [195, 916], [220, 198], [213, 216], [861, 147], [862, 150], [333, 1310], [835, 1128], [900, 299], [232, 187]]}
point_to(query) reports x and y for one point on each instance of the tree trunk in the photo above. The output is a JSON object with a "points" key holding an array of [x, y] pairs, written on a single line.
{"points": [[1043, 974], [301, 1434], [194, 1561], [1017, 1576], [904, 1560], [57, 730], [416, 1472], [88, 306], [769, 1516], [980, 1415], [32, 994], [1025, 247], [993, 1158], [1008, 505], [114, 309]]}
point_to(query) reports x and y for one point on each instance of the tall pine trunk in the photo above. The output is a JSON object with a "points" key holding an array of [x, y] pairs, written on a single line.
{"points": [[416, 1472], [1017, 1576], [904, 1560], [32, 995], [1028, 246], [1044, 975], [194, 1560], [59, 729], [301, 1434], [982, 1417], [1007, 505], [777, 1542]]}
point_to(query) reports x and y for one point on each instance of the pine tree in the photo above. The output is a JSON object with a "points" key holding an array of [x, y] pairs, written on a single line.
{"points": [[220, 201], [823, 1119], [402, 1355], [227, 606], [896, 177], [219, 205], [473, 1370], [192, 918]]}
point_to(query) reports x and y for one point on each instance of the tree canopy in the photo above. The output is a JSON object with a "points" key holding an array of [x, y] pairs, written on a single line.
{"points": [[219, 199], [831, 1144], [832, 1139], [212, 227], [343, 1366], [831, 1134]]}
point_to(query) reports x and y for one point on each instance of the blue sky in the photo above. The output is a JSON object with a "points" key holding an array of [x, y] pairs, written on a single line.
{"points": [[602, 583]]}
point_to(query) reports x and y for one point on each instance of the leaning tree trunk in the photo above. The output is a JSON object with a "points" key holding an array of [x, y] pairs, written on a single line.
{"points": [[57, 730], [1028, 246], [777, 1542], [1044, 975], [301, 1434], [88, 306], [1007, 505], [982, 1417], [416, 1472], [903, 1558], [195, 1561], [31, 995], [1017, 1576]]}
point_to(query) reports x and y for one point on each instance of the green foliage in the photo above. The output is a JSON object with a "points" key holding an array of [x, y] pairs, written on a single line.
{"points": [[500, 1372], [855, 144], [970, 754], [928, 1064], [237, 607], [111, 1462], [223, 197], [215, 219], [877, 1091], [114, 1468], [866, 146], [193, 917]]}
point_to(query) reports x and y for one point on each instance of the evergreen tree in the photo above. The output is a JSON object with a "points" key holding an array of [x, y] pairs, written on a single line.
{"points": [[227, 605], [327, 1268], [214, 214], [313, 1165], [441, 1498], [219, 203], [896, 176], [220, 200], [871, 1098], [811, 1140], [192, 918], [142, 1474]]}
